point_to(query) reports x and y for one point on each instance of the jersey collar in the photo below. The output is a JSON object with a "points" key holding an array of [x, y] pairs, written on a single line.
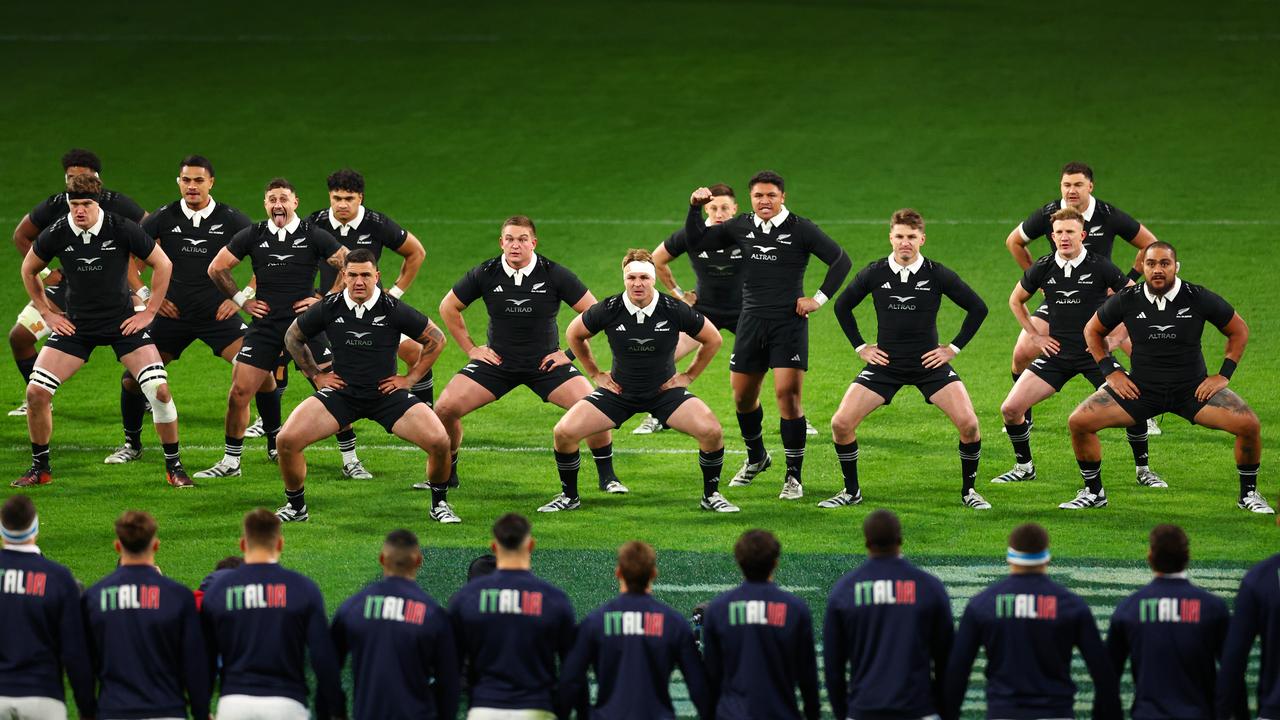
{"points": [[1088, 212], [196, 216], [32, 549], [524, 272], [768, 225], [1160, 302], [361, 308], [1068, 265], [1172, 576], [284, 232], [902, 270], [640, 313], [355, 221], [94, 230]]}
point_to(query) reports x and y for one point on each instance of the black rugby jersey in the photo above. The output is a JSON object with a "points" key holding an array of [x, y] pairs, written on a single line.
{"points": [[1257, 615], [191, 247], [95, 270], [522, 318], [285, 267], [55, 206], [364, 341], [1102, 223], [907, 310], [1166, 331], [373, 232], [1073, 292], [718, 273], [775, 261], [643, 349]]}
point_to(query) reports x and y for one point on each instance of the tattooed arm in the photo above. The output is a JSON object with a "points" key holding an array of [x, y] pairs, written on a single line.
{"points": [[433, 342], [296, 343]]}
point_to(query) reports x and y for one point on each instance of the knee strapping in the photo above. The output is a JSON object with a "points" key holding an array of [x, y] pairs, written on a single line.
{"points": [[150, 378], [42, 378]]}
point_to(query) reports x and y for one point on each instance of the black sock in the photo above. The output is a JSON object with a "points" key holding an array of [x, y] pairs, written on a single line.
{"points": [[603, 456], [439, 494], [40, 456], [297, 498], [970, 453], [425, 389], [1137, 434], [171, 458], [712, 463], [453, 471], [794, 438], [1248, 478], [847, 454], [1091, 472], [1027, 416], [752, 426], [25, 366], [567, 464], [132, 407], [1020, 436], [268, 404]]}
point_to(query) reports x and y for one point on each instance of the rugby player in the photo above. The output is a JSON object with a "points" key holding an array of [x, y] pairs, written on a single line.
{"points": [[95, 246], [263, 621], [1028, 625], [1173, 632], [284, 250], [1257, 615], [511, 628], [1105, 222], [758, 641], [1075, 282], [643, 327], [633, 643], [888, 623], [907, 289], [190, 230], [363, 326], [522, 292], [144, 633], [773, 329], [41, 624], [403, 655], [30, 327], [1165, 319]]}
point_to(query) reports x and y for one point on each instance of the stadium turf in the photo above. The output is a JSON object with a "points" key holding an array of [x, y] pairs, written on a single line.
{"points": [[598, 123]]}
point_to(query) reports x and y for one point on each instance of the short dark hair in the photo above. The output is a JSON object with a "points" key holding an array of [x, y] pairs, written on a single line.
{"points": [[347, 179], [279, 182], [637, 563], [18, 513], [766, 176], [722, 190], [882, 530], [1029, 538], [360, 255], [1067, 213], [79, 157], [135, 530], [520, 221], [199, 161], [1161, 244], [84, 184], [757, 554], [1170, 549], [511, 530], [261, 528], [486, 564], [909, 217], [230, 562], [1078, 168], [401, 550]]}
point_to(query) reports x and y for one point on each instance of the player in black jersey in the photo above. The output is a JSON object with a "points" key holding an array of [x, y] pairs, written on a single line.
{"points": [[643, 327], [95, 247], [1075, 283], [363, 325], [1165, 319], [773, 329], [284, 250], [907, 289], [522, 291], [30, 328], [191, 231], [1105, 223]]}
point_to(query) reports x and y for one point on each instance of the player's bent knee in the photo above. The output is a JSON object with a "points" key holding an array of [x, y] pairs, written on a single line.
{"points": [[41, 387], [154, 382]]}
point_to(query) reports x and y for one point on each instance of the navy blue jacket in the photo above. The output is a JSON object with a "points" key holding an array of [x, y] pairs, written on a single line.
{"points": [[1257, 614], [888, 622]]}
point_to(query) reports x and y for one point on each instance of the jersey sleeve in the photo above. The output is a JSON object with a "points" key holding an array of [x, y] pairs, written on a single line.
{"points": [[1115, 279], [393, 236], [241, 243], [691, 320], [140, 243], [567, 285], [848, 300], [1124, 224], [312, 322], [1033, 279], [151, 223], [1111, 313], [324, 242], [238, 221], [829, 252], [964, 296], [1035, 226], [128, 207], [677, 244], [43, 215], [1214, 308], [47, 245], [409, 321], [596, 318], [468, 289]]}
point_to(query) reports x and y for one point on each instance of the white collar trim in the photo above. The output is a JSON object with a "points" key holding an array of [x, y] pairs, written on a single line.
{"points": [[773, 222], [1088, 211], [367, 305], [1173, 576], [1160, 302], [636, 310], [195, 216], [93, 230], [355, 221], [900, 269], [283, 232], [524, 272], [1074, 262], [33, 549]]}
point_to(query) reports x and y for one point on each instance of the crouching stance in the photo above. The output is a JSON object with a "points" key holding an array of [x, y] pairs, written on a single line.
{"points": [[643, 327], [363, 325]]}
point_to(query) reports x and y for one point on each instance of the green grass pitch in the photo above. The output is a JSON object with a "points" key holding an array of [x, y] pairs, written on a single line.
{"points": [[597, 121]]}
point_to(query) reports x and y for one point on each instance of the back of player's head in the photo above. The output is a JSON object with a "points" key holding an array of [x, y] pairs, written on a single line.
{"points": [[17, 516], [767, 177], [261, 529], [1170, 549], [637, 565], [486, 564], [230, 562], [360, 255], [1028, 545], [883, 532], [347, 180], [722, 190], [199, 161], [909, 217], [79, 157], [511, 530], [637, 255], [1068, 213], [520, 221], [84, 185], [135, 530], [401, 553], [1162, 245], [757, 554], [1078, 168], [279, 182]]}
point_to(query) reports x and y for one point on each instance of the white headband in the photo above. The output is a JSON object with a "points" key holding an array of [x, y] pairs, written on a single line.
{"points": [[21, 536], [640, 266], [1027, 559]]}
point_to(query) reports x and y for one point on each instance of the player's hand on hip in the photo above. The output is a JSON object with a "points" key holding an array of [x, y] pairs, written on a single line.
{"points": [[256, 308], [873, 355], [485, 354], [1047, 344], [690, 298], [938, 357], [806, 305], [679, 380], [1123, 386], [1211, 386], [605, 380], [225, 310], [306, 302], [169, 310], [55, 278], [394, 383], [137, 322], [701, 196], [328, 380], [553, 361], [58, 323]]}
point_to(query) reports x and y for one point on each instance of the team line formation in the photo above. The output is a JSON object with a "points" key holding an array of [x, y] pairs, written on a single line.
{"points": [[139, 645], [750, 271]]}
